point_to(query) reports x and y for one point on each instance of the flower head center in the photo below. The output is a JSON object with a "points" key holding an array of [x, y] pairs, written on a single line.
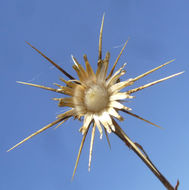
{"points": [[96, 98]]}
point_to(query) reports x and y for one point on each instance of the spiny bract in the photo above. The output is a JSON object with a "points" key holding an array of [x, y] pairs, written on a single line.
{"points": [[95, 96]]}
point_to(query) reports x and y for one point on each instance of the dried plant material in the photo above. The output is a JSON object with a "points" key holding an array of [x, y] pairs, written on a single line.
{"points": [[37, 132], [112, 70], [98, 98], [53, 63], [79, 153], [134, 115], [91, 145]]}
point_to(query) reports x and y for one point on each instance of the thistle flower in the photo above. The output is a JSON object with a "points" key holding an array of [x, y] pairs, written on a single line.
{"points": [[95, 96]]}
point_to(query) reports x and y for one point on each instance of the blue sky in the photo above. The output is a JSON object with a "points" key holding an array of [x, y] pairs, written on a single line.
{"points": [[158, 32]]}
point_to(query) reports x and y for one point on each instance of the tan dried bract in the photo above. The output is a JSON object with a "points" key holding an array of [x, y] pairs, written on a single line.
{"points": [[97, 97]]}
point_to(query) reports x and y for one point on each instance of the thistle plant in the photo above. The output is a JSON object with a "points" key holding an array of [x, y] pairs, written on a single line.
{"points": [[97, 98]]}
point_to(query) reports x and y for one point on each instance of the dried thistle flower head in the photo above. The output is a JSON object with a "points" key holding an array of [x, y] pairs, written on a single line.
{"points": [[95, 96]]}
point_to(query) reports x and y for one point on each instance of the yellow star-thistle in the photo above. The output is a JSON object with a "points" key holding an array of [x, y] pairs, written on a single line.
{"points": [[95, 96]]}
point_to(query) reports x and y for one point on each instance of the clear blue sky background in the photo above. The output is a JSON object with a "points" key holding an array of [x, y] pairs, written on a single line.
{"points": [[158, 31]]}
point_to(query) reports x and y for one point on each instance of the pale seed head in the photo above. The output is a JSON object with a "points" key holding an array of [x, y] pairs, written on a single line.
{"points": [[96, 98]]}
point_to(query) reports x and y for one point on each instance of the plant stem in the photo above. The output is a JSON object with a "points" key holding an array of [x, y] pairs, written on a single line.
{"points": [[143, 156]]}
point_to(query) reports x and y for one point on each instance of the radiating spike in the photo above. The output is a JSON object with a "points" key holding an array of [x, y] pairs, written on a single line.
{"points": [[79, 153], [120, 85], [115, 114], [106, 62], [86, 123], [108, 140], [40, 86], [76, 81], [67, 101], [115, 79], [69, 83], [57, 85], [100, 40], [63, 80], [99, 67], [74, 60], [105, 116], [138, 117], [79, 69], [98, 125], [62, 122], [89, 69], [116, 75], [52, 62], [62, 103], [153, 83], [148, 72], [82, 70], [120, 96], [65, 90], [37, 132], [112, 70], [56, 99], [102, 67], [67, 114], [91, 145], [105, 124], [118, 105]]}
